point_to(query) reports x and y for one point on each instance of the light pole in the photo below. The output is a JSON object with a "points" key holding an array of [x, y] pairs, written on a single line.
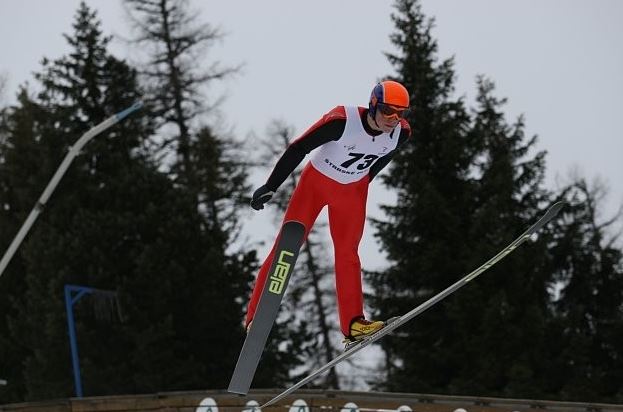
{"points": [[69, 157]]}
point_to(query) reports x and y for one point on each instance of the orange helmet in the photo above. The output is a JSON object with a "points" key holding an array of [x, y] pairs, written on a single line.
{"points": [[389, 93]]}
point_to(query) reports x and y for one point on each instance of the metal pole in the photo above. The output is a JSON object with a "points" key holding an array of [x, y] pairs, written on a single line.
{"points": [[73, 343], [47, 192]]}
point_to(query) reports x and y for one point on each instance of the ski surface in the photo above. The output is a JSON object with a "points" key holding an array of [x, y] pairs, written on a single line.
{"points": [[286, 253], [395, 323]]}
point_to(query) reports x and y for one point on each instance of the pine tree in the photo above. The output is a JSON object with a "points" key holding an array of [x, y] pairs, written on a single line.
{"points": [[14, 195], [432, 181], [587, 302], [469, 185], [114, 223], [208, 163], [460, 175], [497, 325], [175, 84]]}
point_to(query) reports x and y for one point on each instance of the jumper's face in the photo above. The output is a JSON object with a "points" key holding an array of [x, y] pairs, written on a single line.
{"points": [[391, 111], [387, 117]]}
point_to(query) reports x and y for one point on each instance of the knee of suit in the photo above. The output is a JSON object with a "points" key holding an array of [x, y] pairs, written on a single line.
{"points": [[347, 259], [346, 251]]}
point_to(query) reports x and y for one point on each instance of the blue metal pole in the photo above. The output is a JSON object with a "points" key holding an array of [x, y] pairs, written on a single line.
{"points": [[69, 303]]}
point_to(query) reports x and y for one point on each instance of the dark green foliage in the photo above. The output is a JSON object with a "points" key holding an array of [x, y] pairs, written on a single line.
{"points": [[587, 302], [115, 223], [466, 187], [423, 233], [546, 322], [210, 166]]}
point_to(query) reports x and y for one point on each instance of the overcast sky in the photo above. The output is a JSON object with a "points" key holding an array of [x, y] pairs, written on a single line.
{"points": [[559, 62]]}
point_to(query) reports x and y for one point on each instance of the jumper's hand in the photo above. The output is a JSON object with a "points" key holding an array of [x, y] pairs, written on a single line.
{"points": [[261, 196]]}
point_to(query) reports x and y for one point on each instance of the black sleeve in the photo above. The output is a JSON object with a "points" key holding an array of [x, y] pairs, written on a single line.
{"points": [[296, 152], [384, 161]]}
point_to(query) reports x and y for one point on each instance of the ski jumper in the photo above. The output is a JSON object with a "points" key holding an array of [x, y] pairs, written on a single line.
{"points": [[349, 155]]}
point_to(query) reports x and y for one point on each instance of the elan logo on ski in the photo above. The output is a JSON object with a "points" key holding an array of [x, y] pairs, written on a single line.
{"points": [[280, 275], [286, 253]]}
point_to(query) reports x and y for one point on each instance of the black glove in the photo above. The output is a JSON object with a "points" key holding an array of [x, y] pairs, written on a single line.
{"points": [[261, 196]]}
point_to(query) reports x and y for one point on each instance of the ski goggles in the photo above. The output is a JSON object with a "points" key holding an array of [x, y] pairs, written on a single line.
{"points": [[392, 111]]}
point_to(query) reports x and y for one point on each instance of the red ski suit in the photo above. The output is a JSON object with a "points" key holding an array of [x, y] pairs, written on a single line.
{"points": [[351, 153]]}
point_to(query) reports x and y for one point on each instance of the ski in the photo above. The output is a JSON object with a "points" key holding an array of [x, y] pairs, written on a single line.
{"points": [[395, 323], [286, 253]]}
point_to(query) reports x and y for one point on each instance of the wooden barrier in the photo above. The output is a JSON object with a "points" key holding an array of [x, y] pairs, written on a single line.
{"points": [[302, 401]]}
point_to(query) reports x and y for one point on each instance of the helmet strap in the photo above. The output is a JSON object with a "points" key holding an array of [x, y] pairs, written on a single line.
{"points": [[374, 117]]}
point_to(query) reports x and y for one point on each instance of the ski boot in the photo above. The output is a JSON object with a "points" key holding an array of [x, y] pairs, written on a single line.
{"points": [[360, 329]]}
